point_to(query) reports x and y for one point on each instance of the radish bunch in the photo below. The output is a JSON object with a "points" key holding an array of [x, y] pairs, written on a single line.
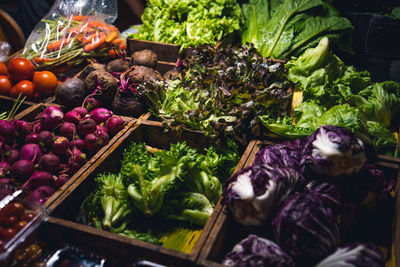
{"points": [[42, 155]]}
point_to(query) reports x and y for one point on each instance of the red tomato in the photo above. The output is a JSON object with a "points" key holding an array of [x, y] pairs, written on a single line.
{"points": [[5, 85], [8, 233], [23, 87], [20, 69], [3, 69], [19, 225], [45, 82], [28, 216]]}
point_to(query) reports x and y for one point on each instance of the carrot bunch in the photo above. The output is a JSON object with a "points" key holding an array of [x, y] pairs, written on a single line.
{"points": [[70, 40]]}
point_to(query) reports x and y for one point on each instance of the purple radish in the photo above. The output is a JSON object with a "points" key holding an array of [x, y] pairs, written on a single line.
{"points": [[45, 140], [81, 110], [60, 145], [12, 155], [72, 117], [68, 130], [50, 163], [92, 103], [30, 152], [37, 128], [61, 180], [101, 128], [86, 126], [39, 178], [102, 137], [32, 138], [22, 169], [76, 160], [91, 142], [114, 124], [7, 130], [77, 143], [51, 117], [41, 194], [23, 127], [100, 115], [4, 169]]}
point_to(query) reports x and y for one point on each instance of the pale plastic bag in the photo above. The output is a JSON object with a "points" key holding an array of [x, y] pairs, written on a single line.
{"points": [[73, 31]]}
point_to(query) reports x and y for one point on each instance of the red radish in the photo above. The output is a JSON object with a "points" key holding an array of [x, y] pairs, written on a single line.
{"points": [[60, 145], [32, 138], [92, 103], [101, 128], [114, 124], [50, 163], [77, 143], [86, 126], [12, 155], [4, 169], [39, 178], [45, 140], [76, 160], [37, 128], [81, 110], [91, 142], [51, 117], [68, 130], [102, 137], [23, 169], [30, 152], [61, 180], [100, 115], [7, 130], [73, 117], [23, 127], [41, 194]]}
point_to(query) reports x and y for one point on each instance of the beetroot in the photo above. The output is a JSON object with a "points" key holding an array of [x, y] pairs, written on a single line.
{"points": [[32, 138], [12, 155], [50, 163], [73, 117], [30, 152], [68, 130], [39, 178], [4, 169], [92, 103], [45, 140], [100, 115], [41, 194], [76, 160], [51, 117], [22, 169], [60, 145], [114, 124], [77, 143], [7, 130], [61, 180], [86, 126], [81, 110], [23, 127]]}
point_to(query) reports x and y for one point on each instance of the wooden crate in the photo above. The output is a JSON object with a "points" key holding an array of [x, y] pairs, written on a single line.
{"points": [[226, 232], [29, 115], [67, 205]]}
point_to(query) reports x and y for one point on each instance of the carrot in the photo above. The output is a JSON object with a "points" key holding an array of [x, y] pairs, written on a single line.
{"points": [[118, 41], [59, 44], [113, 53], [101, 25], [96, 44], [112, 36], [92, 38], [80, 18], [43, 60]]}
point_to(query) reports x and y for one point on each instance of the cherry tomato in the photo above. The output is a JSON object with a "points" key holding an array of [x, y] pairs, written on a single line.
{"points": [[10, 221], [20, 69], [45, 82], [19, 225], [28, 216], [24, 87], [8, 233], [3, 69], [5, 85]]}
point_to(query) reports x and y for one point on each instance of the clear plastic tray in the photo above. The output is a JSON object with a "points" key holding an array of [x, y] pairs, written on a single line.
{"points": [[10, 194]]}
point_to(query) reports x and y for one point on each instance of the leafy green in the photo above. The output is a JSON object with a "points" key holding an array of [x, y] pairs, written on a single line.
{"points": [[147, 237], [280, 29], [189, 22], [383, 140]]}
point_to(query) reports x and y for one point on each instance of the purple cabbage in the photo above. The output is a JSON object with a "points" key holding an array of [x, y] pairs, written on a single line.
{"points": [[256, 251], [252, 193], [306, 228], [333, 151], [329, 193], [286, 154], [354, 255]]}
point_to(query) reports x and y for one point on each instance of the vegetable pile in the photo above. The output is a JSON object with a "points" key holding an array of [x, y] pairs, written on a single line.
{"points": [[222, 92], [336, 94], [306, 195], [42, 155], [189, 22], [20, 77], [155, 187], [70, 40]]}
